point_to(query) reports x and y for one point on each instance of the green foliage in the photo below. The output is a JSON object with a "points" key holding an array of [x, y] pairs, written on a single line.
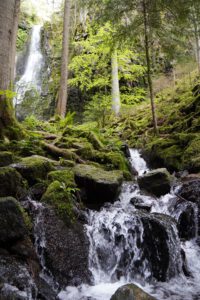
{"points": [[8, 94], [91, 69], [98, 109], [62, 197], [22, 37]]}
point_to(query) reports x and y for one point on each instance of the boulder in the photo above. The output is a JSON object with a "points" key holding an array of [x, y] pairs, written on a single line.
{"points": [[138, 245], [12, 225], [11, 183], [161, 246], [16, 280], [34, 168], [190, 191], [138, 203], [66, 250], [131, 292], [97, 186], [185, 213], [6, 158], [156, 182]]}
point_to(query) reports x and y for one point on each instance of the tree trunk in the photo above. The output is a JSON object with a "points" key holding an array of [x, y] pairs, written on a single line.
{"points": [[14, 38], [115, 84], [196, 32], [9, 10], [62, 98], [148, 62], [197, 42]]}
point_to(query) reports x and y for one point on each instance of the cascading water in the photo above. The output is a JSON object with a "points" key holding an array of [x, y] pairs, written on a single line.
{"points": [[120, 235], [31, 77]]}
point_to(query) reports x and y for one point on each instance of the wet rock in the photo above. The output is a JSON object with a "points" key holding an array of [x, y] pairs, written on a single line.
{"points": [[12, 225], [16, 280], [34, 168], [66, 251], [125, 150], [190, 191], [139, 204], [161, 245], [97, 186], [157, 182], [6, 158], [131, 292], [11, 183], [185, 214], [38, 190]]}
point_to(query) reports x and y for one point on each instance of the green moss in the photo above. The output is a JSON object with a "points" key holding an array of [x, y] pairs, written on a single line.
{"points": [[6, 158], [112, 160], [34, 168], [22, 37], [27, 219], [191, 155], [63, 176], [11, 183], [66, 163], [98, 174], [61, 197]]}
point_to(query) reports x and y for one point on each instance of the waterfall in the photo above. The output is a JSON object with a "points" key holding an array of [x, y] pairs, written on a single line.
{"points": [[118, 253], [31, 77]]}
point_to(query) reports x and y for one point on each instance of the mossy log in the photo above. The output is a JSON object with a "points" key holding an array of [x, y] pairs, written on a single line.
{"points": [[59, 152]]}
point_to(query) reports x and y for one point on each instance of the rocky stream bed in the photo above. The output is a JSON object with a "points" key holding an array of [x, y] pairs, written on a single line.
{"points": [[128, 240]]}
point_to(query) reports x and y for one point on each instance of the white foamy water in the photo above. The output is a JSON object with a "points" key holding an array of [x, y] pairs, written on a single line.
{"points": [[138, 162], [31, 79], [116, 234]]}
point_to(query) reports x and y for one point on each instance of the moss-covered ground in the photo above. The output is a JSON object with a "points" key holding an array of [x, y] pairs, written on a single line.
{"points": [[178, 112]]}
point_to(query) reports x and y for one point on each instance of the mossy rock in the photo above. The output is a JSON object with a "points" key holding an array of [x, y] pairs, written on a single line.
{"points": [[6, 158], [91, 136], [34, 168], [157, 182], [112, 161], [63, 176], [12, 222], [97, 185], [191, 156], [11, 183], [66, 163], [61, 198], [131, 292]]}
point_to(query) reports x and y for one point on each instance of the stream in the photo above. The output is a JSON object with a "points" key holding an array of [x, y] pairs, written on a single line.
{"points": [[116, 255]]}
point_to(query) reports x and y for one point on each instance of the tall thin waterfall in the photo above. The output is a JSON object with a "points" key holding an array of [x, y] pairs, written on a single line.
{"points": [[31, 77]]}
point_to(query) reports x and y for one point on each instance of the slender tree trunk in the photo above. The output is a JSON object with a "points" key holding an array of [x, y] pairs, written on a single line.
{"points": [[194, 19], [148, 61], [14, 38], [62, 98], [197, 42], [115, 84], [8, 24]]}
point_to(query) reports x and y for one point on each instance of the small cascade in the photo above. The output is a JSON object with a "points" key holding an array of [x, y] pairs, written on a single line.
{"points": [[31, 77], [138, 162], [128, 244]]}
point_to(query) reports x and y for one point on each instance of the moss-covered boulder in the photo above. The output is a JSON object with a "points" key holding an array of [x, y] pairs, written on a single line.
{"points": [[12, 223], [157, 182], [6, 158], [61, 197], [63, 176], [97, 185], [131, 292], [11, 183], [34, 168]]}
